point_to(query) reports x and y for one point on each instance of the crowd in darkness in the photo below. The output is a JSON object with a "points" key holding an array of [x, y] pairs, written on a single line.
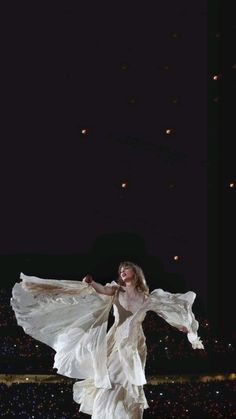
{"points": [[7, 314], [215, 399]]}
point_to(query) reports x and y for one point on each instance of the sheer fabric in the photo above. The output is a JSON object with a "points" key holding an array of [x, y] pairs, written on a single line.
{"points": [[71, 317]]}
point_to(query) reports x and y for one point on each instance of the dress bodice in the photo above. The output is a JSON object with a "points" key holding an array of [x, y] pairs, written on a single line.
{"points": [[126, 324], [119, 311]]}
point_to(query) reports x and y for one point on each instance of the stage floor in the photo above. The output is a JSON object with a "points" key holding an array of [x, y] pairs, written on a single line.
{"points": [[154, 380]]}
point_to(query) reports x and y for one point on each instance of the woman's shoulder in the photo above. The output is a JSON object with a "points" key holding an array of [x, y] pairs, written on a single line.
{"points": [[114, 285]]}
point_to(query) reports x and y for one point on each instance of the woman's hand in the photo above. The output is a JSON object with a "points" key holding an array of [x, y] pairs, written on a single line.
{"points": [[101, 289], [183, 329], [88, 279]]}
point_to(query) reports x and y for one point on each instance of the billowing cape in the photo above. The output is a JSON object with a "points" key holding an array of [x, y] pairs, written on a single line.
{"points": [[71, 317]]}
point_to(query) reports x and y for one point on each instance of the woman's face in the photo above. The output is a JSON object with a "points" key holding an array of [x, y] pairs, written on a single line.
{"points": [[127, 273]]}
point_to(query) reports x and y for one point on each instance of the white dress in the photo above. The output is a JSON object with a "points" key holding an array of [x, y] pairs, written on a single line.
{"points": [[71, 317]]}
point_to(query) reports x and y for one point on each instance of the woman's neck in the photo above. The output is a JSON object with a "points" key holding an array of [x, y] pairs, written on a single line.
{"points": [[130, 289]]}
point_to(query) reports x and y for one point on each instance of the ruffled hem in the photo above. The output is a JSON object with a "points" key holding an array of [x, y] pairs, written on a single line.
{"points": [[117, 402]]}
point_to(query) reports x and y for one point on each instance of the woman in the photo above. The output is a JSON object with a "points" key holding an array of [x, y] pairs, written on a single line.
{"points": [[71, 317]]}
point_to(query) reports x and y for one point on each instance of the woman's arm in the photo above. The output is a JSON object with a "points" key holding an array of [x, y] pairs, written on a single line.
{"points": [[101, 289]]}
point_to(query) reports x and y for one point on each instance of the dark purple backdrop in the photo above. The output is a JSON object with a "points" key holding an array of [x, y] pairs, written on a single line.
{"points": [[126, 74]]}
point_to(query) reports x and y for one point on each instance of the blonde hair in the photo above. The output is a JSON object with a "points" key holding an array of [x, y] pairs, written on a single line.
{"points": [[139, 277]]}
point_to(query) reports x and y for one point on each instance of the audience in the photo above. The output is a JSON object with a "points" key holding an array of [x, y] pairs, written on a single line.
{"points": [[215, 399]]}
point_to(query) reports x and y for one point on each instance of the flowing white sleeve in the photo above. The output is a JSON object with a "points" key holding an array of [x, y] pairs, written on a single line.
{"points": [[69, 316], [176, 309]]}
